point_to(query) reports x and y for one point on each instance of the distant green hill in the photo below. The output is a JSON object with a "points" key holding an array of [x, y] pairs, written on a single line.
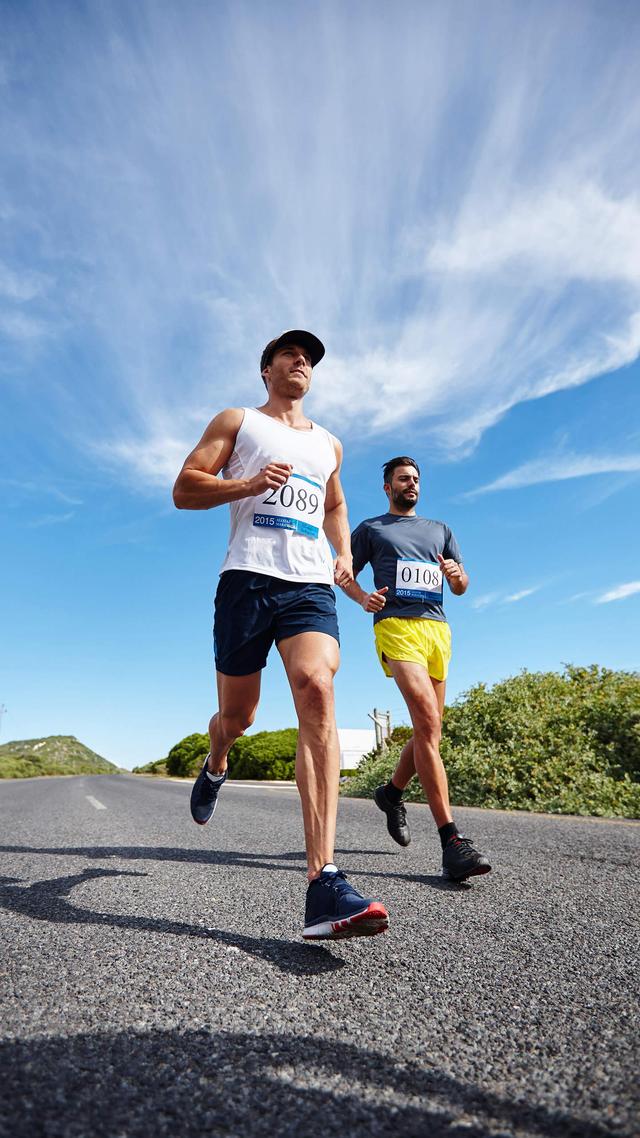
{"points": [[57, 754]]}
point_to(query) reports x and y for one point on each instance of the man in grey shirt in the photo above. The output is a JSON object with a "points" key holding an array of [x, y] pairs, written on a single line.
{"points": [[411, 557]]}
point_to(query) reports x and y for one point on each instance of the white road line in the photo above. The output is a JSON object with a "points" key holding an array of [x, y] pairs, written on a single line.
{"points": [[94, 802]]}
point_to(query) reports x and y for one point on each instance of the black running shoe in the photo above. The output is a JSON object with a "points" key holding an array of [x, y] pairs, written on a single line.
{"points": [[460, 860], [204, 796], [397, 824], [335, 910]]}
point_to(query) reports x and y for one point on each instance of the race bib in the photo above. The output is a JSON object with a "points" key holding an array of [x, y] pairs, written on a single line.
{"points": [[419, 581], [298, 505]]}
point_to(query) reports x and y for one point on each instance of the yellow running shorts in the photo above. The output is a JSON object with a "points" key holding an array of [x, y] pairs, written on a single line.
{"points": [[426, 642]]}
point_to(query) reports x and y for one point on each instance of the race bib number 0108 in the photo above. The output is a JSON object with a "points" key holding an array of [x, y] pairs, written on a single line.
{"points": [[419, 581], [298, 505]]}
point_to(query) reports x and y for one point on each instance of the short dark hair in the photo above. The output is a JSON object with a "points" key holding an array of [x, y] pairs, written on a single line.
{"points": [[401, 460]]}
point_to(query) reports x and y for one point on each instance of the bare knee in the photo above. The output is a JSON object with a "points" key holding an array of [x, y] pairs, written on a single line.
{"points": [[426, 721], [313, 692], [235, 722]]}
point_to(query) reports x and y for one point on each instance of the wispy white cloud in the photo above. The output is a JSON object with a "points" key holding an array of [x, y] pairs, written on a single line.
{"points": [[458, 252], [22, 326], [571, 233], [500, 598], [154, 460], [513, 597], [484, 600], [620, 593], [18, 488], [21, 287], [554, 468]]}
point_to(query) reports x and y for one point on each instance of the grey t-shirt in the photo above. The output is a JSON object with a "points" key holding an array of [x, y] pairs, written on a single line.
{"points": [[403, 552]]}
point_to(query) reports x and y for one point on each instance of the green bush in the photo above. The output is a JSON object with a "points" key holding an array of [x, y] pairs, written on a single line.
{"points": [[265, 755], [186, 758], [561, 743], [401, 734], [29, 767], [157, 767]]}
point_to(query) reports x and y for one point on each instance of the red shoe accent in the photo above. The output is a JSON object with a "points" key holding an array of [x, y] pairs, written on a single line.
{"points": [[372, 920]]}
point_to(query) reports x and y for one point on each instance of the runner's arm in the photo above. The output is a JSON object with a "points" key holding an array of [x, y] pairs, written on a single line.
{"points": [[336, 524], [198, 486], [361, 554], [370, 602], [457, 579]]}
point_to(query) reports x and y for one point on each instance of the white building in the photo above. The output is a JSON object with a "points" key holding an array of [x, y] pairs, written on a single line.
{"points": [[355, 743]]}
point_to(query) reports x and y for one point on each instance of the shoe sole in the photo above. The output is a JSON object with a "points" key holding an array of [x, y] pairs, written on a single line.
{"points": [[392, 836], [479, 872], [370, 921], [204, 822]]}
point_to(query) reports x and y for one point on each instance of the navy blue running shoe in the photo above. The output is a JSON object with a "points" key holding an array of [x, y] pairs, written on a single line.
{"points": [[335, 910], [460, 860], [204, 796]]}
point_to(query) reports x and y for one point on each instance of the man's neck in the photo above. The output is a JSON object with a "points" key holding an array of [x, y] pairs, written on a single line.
{"points": [[288, 411], [401, 513]]}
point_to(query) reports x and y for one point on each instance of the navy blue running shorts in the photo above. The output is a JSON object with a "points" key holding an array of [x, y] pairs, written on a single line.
{"points": [[252, 610]]}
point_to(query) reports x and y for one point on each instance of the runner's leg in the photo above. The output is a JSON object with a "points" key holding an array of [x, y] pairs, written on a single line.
{"points": [[406, 767], [311, 661], [424, 703], [238, 698]]}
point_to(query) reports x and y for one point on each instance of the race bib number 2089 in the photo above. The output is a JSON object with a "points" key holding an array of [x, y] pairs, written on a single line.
{"points": [[298, 505], [419, 581]]}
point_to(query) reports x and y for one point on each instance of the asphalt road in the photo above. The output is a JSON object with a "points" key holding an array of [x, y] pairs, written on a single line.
{"points": [[154, 981]]}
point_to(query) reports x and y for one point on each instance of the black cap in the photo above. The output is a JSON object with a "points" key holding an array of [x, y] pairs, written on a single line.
{"points": [[306, 340]]}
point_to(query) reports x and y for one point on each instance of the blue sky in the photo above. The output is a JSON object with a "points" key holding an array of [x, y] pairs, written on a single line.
{"points": [[447, 194]]}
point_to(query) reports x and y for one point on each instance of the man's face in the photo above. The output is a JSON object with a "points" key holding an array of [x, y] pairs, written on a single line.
{"points": [[289, 372], [404, 489]]}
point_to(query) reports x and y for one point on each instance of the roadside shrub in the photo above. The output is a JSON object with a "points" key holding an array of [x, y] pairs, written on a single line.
{"points": [[265, 755], [186, 758], [561, 743], [610, 710], [157, 767], [27, 766], [400, 734]]}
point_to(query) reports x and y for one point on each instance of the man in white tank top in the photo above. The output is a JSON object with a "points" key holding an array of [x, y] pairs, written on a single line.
{"points": [[281, 478]]}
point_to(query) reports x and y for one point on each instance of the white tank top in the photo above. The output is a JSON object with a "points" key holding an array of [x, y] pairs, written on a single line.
{"points": [[279, 532]]}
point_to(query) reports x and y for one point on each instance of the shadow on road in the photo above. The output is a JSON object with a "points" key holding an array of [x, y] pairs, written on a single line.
{"points": [[239, 1084], [227, 858], [47, 901], [170, 853]]}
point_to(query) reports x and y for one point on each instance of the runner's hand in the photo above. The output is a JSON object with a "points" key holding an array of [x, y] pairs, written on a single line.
{"points": [[343, 569], [375, 602], [270, 477], [450, 568]]}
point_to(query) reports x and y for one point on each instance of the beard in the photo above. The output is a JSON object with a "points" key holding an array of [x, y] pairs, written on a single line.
{"points": [[404, 499]]}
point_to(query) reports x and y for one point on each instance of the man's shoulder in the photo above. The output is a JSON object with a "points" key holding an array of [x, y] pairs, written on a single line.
{"points": [[230, 417], [333, 439], [224, 426], [373, 523], [322, 427], [433, 522]]}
